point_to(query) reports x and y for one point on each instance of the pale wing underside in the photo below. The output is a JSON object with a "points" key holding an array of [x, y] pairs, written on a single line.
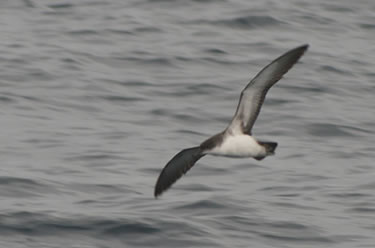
{"points": [[176, 168], [253, 95]]}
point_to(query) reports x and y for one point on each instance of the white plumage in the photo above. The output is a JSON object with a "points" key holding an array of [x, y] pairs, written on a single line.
{"points": [[238, 146]]}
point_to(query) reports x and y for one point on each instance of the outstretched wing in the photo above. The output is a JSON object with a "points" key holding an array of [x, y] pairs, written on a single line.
{"points": [[253, 95], [177, 167]]}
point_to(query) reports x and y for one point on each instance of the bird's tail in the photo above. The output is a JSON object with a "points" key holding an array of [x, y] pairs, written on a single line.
{"points": [[270, 147]]}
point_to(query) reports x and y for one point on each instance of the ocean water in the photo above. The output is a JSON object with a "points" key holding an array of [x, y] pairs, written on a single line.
{"points": [[96, 96]]}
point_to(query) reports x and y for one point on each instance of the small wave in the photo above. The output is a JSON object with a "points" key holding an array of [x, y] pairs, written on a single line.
{"points": [[337, 8], [159, 112], [17, 187], [202, 204], [17, 180], [83, 32], [61, 6], [130, 229], [109, 98], [215, 51], [114, 98], [128, 83], [206, 88], [188, 131], [197, 187], [184, 59], [96, 188], [290, 205], [278, 102], [175, 115], [31, 223], [287, 231], [212, 170], [6, 99], [191, 90], [349, 195], [367, 186], [246, 22], [185, 117], [147, 30], [220, 61], [93, 157], [328, 130], [277, 188], [298, 238], [370, 210], [288, 225], [150, 61], [119, 31], [314, 18], [197, 1], [333, 69], [306, 89], [367, 26]]}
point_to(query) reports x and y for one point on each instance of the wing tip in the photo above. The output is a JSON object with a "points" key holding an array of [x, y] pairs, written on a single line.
{"points": [[175, 168], [158, 190], [156, 194], [303, 48]]}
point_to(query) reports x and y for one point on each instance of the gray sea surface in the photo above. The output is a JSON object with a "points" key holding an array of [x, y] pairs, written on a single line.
{"points": [[97, 95]]}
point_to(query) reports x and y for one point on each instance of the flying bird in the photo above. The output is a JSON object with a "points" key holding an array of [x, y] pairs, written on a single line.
{"points": [[236, 140]]}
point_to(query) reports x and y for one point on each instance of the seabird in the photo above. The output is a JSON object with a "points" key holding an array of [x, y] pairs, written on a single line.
{"points": [[236, 140]]}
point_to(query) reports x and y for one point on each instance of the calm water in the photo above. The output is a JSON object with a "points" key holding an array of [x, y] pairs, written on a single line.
{"points": [[96, 96]]}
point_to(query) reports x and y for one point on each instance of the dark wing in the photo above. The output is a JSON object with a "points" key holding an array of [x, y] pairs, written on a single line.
{"points": [[177, 167], [253, 95]]}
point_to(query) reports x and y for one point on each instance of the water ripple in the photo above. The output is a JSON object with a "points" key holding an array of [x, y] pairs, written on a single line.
{"points": [[17, 187], [246, 22], [95, 92], [203, 204], [328, 130]]}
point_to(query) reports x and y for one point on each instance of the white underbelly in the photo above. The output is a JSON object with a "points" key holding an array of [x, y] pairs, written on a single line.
{"points": [[239, 146]]}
